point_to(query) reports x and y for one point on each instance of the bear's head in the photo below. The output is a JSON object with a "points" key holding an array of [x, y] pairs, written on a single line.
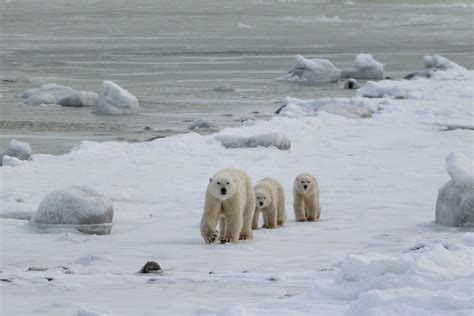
{"points": [[222, 187], [262, 198], [304, 183]]}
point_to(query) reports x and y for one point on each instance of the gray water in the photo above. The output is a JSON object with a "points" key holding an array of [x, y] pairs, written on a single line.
{"points": [[170, 54]]}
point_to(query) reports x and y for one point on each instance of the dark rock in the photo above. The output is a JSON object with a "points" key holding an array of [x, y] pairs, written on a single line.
{"points": [[151, 267]]}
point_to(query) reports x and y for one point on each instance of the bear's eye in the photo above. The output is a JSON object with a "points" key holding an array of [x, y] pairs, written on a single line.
{"points": [[302, 181], [228, 183], [218, 183], [309, 182], [264, 198]]}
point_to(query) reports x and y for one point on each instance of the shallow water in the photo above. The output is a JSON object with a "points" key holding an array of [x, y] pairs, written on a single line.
{"points": [[170, 54]]}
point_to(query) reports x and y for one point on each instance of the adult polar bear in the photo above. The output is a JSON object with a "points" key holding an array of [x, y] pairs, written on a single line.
{"points": [[229, 198]]}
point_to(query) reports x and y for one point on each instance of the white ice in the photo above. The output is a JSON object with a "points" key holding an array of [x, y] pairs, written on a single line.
{"points": [[78, 207], [364, 67], [455, 202], [17, 149], [435, 63], [310, 71], [114, 99], [223, 88], [202, 124], [372, 89], [56, 90], [277, 140], [41, 98]]}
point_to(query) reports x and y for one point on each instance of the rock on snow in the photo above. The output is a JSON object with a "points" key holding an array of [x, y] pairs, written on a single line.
{"points": [[16, 149], [316, 70], [455, 203], [364, 67], [277, 140], [78, 207], [351, 83], [114, 99]]}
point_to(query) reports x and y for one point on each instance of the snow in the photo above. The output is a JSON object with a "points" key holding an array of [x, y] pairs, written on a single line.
{"points": [[114, 99], [354, 107], [17, 149], [78, 99], [309, 71], [372, 89], [455, 202], [77, 207], [364, 67], [277, 140], [56, 90], [375, 251]]}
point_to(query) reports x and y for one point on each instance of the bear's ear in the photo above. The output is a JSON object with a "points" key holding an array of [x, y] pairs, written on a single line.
{"points": [[210, 180]]}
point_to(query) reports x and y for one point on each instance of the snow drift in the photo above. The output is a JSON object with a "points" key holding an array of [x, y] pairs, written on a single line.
{"points": [[80, 208], [455, 202], [114, 99], [316, 70], [18, 150], [372, 89], [277, 140]]}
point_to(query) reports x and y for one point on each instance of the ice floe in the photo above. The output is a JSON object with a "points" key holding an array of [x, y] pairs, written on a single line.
{"points": [[114, 99]]}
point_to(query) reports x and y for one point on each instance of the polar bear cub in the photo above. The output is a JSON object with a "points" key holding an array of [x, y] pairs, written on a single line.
{"points": [[306, 198], [270, 201], [229, 200]]}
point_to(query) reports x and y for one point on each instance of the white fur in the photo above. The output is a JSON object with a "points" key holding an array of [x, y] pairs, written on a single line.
{"points": [[270, 201], [306, 199], [231, 201]]}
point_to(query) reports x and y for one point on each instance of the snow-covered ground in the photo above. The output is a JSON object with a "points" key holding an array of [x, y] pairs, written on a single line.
{"points": [[375, 251]]}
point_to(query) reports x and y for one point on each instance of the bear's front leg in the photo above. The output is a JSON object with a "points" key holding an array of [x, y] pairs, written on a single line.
{"points": [[209, 219], [298, 207], [270, 216], [222, 230], [255, 219], [233, 226], [313, 209]]}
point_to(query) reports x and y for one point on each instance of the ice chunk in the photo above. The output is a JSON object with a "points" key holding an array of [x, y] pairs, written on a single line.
{"points": [[19, 150], [113, 99], [202, 124], [455, 202], [58, 91], [433, 64], [364, 67], [41, 98], [78, 99], [351, 108], [223, 88], [351, 83], [373, 89], [277, 140], [10, 161], [316, 70], [77, 207]]}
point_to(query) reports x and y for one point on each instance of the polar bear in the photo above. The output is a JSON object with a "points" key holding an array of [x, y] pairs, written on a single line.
{"points": [[270, 201], [229, 199], [306, 198]]}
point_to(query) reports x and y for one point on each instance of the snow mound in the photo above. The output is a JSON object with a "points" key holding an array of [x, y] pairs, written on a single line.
{"points": [[10, 161], [41, 98], [16, 149], [435, 63], [277, 140], [114, 99], [351, 83], [223, 88], [78, 99], [202, 124], [455, 202], [76, 207], [364, 67], [316, 70], [373, 89], [352, 108]]}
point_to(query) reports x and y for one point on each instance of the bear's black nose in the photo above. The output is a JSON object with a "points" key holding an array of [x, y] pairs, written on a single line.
{"points": [[223, 191], [261, 203], [305, 186]]}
